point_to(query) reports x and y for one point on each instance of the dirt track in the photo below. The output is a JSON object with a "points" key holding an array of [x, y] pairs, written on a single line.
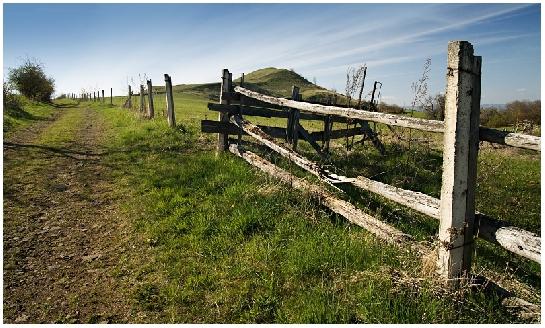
{"points": [[63, 235]]}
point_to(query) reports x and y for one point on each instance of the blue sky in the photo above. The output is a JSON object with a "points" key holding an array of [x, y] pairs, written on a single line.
{"points": [[104, 45]]}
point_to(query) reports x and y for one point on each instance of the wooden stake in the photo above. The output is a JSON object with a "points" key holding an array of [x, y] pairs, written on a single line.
{"points": [[130, 97], [226, 86], [142, 101], [170, 102], [293, 119], [460, 148], [111, 96], [151, 110]]}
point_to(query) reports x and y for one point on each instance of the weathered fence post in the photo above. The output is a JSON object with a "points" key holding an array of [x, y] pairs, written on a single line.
{"points": [[151, 110], [226, 87], [460, 148], [170, 102], [130, 97], [293, 120], [142, 105], [102, 95], [94, 96], [328, 126], [111, 96], [373, 107]]}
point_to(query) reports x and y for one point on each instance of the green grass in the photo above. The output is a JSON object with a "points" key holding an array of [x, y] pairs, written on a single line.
{"points": [[30, 112], [231, 244]]}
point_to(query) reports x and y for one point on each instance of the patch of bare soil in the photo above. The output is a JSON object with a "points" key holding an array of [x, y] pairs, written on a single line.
{"points": [[63, 234]]}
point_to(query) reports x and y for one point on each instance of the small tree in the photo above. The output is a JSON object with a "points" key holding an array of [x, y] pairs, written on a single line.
{"points": [[31, 81]]}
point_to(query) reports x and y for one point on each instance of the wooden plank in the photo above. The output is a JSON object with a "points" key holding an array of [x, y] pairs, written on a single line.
{"points": [[518, 140], [266, 112], [341, 207], [208, 126], [351, 113], [337, 134], [516, 240], [306, 136], [457, 212], [229, 95], [301, 161], [415, 200]]}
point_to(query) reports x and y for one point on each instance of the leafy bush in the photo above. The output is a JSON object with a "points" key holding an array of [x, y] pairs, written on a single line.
{"points": [[515, 112], [31, 81]]}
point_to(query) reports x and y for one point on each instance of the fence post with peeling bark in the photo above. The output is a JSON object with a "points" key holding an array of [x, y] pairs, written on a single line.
{"points": [[460, 148], [170, 102]]}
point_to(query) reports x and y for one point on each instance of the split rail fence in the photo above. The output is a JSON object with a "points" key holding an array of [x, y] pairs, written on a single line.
{"points": [[460, 223]]}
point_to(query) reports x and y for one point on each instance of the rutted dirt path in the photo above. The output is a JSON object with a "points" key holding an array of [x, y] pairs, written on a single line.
{"points": [[63, 234]]}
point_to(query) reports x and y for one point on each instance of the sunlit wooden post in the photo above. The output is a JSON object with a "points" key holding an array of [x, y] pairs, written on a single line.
{"points": [[102, 95], [460, 149], [151, 110], [170, 102], [226, 87], [111, 96]]}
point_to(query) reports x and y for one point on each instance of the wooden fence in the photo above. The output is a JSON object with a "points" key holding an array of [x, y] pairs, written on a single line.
{"points": [[460, 223]]}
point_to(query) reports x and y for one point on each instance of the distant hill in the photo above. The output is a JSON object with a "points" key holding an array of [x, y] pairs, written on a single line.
{"points": [[270, 81]]}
